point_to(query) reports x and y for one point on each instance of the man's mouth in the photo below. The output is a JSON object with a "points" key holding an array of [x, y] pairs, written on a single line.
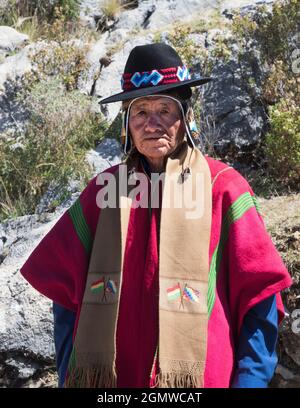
{"points": [[155, 137]]}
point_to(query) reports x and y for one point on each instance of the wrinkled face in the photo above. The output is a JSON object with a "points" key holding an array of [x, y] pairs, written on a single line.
{"points": [[156, 126]]}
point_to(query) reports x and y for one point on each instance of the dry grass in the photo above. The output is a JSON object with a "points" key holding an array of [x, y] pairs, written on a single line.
{"points": [[112, 8]]}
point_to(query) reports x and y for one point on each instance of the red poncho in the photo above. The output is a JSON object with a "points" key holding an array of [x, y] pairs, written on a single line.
{"points": [[245, 268]]}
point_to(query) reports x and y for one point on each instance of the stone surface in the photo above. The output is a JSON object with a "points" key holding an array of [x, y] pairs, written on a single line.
{"points": [[26, 323], [13, 115], [108, 153], [232, 98], [11, 39]]}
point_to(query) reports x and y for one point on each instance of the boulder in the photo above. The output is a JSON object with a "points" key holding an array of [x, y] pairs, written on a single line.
{"points": [[108, 153], [26, 323], [11, 39]]}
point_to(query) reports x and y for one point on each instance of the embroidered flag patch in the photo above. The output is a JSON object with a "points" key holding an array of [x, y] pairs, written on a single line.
{"points": [[191, 294], [188, 293], [97, 285], [111, 286], [174, 293]]}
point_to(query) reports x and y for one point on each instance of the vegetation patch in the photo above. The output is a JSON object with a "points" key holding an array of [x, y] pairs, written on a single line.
{"points": [[61, 130], [58, 19], [65, 61], [282, 144]]}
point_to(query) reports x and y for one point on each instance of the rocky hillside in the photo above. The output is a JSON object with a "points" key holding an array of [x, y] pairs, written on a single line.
{"points": [[55, 64]]}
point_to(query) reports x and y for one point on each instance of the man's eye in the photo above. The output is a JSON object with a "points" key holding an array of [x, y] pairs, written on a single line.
{"points": [[141, 113], [164, 111]]}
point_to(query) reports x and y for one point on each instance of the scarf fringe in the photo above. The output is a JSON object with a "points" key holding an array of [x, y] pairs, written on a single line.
{"points": [[176, 380], [100, 377]]}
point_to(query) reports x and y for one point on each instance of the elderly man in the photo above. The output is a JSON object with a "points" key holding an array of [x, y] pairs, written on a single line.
{"points": [[165, 281]]}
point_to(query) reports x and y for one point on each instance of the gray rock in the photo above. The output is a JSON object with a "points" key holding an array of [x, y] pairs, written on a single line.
{"points": [[22, 233], [88, 10], [199, 39], [251, 9], [108, 153], [137, 18], [291, 344], [10, 39], [284, 372], [57, 198], [2, 238], [24, 369], [3, 4], [88, 78], [91, 13], [234, 102], [26, 323], [155, 14], [213, 34], [13, 115]]}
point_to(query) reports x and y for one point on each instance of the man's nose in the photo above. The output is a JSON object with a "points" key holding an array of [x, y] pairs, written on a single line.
{"points": [[153, 122]]}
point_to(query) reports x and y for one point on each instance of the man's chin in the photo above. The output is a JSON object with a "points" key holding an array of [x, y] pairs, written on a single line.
{"points": [[158, 151]]}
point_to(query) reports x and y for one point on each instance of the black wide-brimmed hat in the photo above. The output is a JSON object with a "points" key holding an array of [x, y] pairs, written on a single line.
{"points": [[154, 68]]}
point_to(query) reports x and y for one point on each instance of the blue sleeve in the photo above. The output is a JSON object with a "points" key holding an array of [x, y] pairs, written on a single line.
{"points": [[64, 321], [256, 354]]}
